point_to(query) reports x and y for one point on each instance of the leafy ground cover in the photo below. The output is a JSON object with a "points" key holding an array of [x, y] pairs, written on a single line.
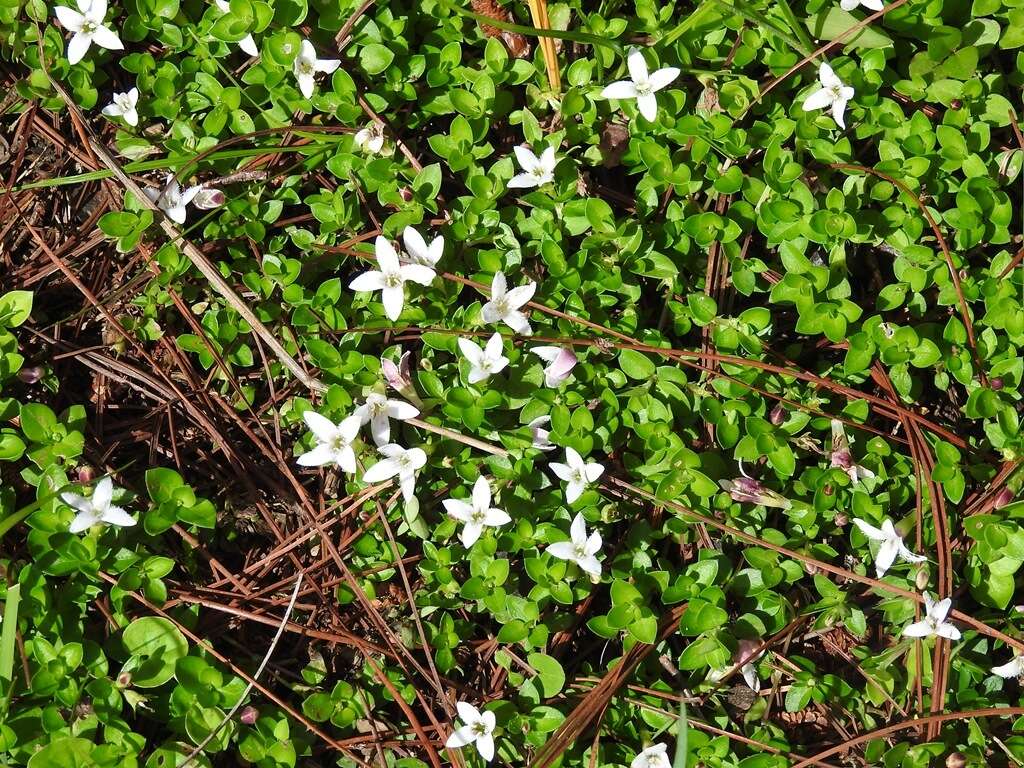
{"points": [[583, 384]]}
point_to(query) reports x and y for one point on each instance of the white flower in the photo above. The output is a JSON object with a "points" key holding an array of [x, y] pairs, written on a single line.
{"points": [[581, 549], [172, 199], [641, 85], [655, 756], [842, 457], [934, 623], [504, 305], [891, 546], [476, 514], [370, 139], [537, 171], [398, 462], [247, 44], [577, 473], [873, 5], [390, 279], [306, 66], [88, 27], [540, 434], [333, 442], [483, 363], [124, 105], [378, 410], [560, 360], [832, 94], [97, 509], [746, 656], [1013, 668], [478, 730], [421, 252]]}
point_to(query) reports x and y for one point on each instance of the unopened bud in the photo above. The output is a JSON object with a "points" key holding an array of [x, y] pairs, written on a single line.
{"points": [[405, 193], [778, 415], [249, 715], [208, 198], [996, 383], [828, 490], [841, 520], [1004, 497], [86, 474], [922, 577], [124, 680], [955, 104], [32, 374], [956, 760]]}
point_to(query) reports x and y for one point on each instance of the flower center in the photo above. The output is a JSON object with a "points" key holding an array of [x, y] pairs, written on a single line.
{"points": [[89, 27], [577, 476], [480, 729], [477, 517], [643, 89], [580, 551], [501, 305], [836, 92], [339, 443], [403, 462], [539, 172], [392, 280], [305, 67]]}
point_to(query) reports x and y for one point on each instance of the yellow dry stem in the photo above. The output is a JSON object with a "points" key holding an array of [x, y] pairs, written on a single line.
{"points": [[539, 14]]}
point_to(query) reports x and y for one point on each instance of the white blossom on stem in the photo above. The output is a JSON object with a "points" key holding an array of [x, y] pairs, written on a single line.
{"points": [[172, 199], [872, 5], [540, 433], [419, 250], [97, 509], [537, 171], [577, 473], [1013, 668], [581, 548], [333, 442], [306, 66], [378, 411], [483, 363], [655, 756], [477, 513], [370, 139], [477, 729], [390, 278], [398, 462], [124, 105], [934, 623], [833, 95], [504, 305], [891, 545], [88, 26], [641, 85]]}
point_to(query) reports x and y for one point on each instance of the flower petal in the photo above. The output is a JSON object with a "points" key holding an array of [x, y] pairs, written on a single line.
{"points": [[662, 77], [317, 457], [637, 66], [578, 529], [117, 516], [485, 746], [107, 38], [461, 737], [393, 298], [563, 550], [323, 428], [481, 493], [382, 470], [68, 18], [527, 160], [817, 100], [83, 521], [418, 273], [470, 533], [886, 555], [77, 47], [522, 181], [458, 509], [368, 281], [622, 89], [648, 106], [401, 410], [918, 629]]}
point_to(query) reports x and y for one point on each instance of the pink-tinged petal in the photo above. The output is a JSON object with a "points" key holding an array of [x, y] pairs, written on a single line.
{"points": [[563, 550], [663, 77], [563, 364], [521, 295], [485, 746], [317, 457], [68, 18], [622, 89], [458, 509], [461, 737], [107, 38], [382, 470], [323, 428], [522, 181], [918, 629], [117, 516], [368, 281], [393, 298], [527, 160], [83, 521], [518, 322], [418, 273], [77, 47], [948, 631], [818, 100], [561, 471], [481, 493], [637, 66]]}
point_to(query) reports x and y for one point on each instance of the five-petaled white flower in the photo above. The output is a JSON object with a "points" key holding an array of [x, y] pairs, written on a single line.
{"points": [[1013, 668], [378, 410], [842, 457], [124, 105], [88, 27], [580, 549], [537, 171], [934, 623], [477, 513], [641, 85], [306, 66], [391, 277], [172, 199], [419, 250], [655, 756], [97, 509], [504, 304], [247, 44], [560, 360], [540, 433], [398, 462], [370, 139], [892, 545], [873, 5], [478, 730], [577, 473], [333, 442], [833, 95], [483, 363]]}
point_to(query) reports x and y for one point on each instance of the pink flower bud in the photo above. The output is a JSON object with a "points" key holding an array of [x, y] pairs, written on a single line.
{"points": [[31, 374], [1004, 497], [86, 474], [399, 377], [777, 415], [249, 715], [748, 489], [208, 198]]}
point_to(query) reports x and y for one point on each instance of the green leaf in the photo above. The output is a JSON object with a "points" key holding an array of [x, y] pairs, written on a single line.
{"points": [[15, 307], [829, 23], [635, 364], [155, 645], [550, 676], [375, 58]]}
